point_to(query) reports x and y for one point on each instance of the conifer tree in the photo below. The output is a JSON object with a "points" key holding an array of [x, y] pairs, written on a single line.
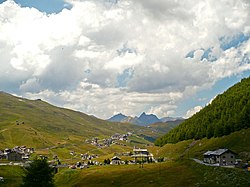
{"points": [[38, 174]]}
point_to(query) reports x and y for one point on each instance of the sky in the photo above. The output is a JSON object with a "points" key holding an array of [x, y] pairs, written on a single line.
{"points": [[103, 57]]}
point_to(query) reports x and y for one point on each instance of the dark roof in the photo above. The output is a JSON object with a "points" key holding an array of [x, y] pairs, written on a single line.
{"points": [[116, 158], [218, 152]]}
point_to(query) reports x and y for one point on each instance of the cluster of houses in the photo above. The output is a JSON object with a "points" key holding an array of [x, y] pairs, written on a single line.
{"points": [[121, 137], [108, 141], [87, 156], [138, 155], [17, 153]]}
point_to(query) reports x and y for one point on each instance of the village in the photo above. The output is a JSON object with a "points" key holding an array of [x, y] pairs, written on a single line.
{"points": [[21, 155], [220, 157], [108, 141]]}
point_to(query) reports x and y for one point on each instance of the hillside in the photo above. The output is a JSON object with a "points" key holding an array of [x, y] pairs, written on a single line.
{"points": [[239, 142], [179, 170], [37, 124], [229, 112], [164, 127]]}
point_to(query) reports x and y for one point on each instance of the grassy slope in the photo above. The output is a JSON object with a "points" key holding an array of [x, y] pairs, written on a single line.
{"points": [[47, 126], [238, 142], [128, 175], [179, 171], [12, 175]]}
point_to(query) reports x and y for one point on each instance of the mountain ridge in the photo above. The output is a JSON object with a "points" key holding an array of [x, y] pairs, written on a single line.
{"points": [[143, 120]]}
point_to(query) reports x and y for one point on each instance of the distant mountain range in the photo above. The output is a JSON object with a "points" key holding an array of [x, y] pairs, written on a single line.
{"points": [[143, 120]]}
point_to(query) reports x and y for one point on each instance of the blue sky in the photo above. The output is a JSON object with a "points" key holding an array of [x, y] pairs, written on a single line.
{"points": [[104, 57], [48, 6]]}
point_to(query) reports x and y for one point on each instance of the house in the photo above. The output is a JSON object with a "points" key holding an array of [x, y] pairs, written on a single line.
{"points": [[116, 136], [115, 161], [14, 156], [142, 154], [123, 137], [223, 157]]}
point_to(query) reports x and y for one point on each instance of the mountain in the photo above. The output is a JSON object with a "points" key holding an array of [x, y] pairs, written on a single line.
{"points": [[117, 118], [132, 120], [229, 112], [38, 124], [148, 119], [143, 120]]}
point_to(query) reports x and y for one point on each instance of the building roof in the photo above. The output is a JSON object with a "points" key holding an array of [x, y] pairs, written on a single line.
{"points": [[208, 153], [217, 152], [138, 150], [115, 158]]}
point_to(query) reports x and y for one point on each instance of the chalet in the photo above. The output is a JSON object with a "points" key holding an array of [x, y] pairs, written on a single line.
{"points": [[115, 161], [142, 154], [223, 157]]}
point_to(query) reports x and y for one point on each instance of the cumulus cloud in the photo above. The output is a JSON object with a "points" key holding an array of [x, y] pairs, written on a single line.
{"points": [[104, 57], [193, 111]]}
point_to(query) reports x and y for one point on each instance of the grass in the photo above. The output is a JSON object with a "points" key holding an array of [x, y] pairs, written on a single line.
{"points": [[173, 173], [239, 142], [177, 173], [219, 176], [163, 174], [12, 175]]}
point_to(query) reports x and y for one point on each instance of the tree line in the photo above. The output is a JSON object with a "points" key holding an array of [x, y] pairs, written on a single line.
{"points": [[228, 112]]}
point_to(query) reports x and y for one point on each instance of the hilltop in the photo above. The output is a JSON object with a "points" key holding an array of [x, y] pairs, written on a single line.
{"points": [[228, 112]]}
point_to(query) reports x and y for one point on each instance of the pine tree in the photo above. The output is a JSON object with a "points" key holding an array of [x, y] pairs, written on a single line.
{"points": [[38, 174]]}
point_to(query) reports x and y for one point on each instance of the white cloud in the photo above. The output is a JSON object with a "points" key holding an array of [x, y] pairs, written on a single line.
{"points": [[163, 110], [76, 57], [193, 111]]}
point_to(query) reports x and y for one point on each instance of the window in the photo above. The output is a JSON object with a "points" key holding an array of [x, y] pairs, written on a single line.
{"points": [[232, 156], [224, 157]]}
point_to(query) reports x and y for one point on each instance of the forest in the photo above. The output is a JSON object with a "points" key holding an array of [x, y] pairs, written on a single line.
{"points": [[228, 112]]}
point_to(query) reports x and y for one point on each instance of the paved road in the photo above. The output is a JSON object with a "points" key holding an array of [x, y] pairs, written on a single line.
{"points": [[13, 164], [201, 162]]}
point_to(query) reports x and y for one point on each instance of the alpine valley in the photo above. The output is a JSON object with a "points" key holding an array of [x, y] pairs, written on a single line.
{"points": [[68, 136]]}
